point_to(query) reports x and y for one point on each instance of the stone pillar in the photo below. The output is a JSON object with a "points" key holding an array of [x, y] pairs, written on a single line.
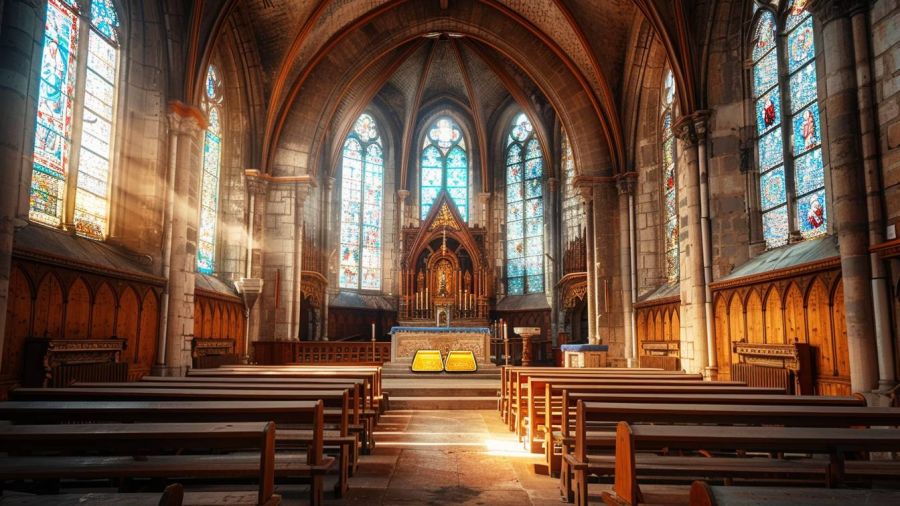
{"points": [[296, 292], [326, 247], [256, 190], [185, 125], [874, 191], [552, 238], [701, 121], [841, 116], [21, 35], [587, 196], [690, 247], [626, 184], [484, 200]]}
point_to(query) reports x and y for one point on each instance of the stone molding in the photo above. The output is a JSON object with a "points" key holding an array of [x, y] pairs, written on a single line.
{"points": [[626, 183], [255, 185], [827, 11], [186, 119], [402, 195]]}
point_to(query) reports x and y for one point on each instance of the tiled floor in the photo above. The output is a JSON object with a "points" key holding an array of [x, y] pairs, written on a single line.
{"points": [[445, 457]]}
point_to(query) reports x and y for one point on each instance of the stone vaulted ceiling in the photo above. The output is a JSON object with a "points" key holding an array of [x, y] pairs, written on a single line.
{"points": [[322, 61]]}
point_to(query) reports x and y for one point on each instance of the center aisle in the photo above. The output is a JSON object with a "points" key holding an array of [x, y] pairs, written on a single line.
{"points": [[439, 457]]}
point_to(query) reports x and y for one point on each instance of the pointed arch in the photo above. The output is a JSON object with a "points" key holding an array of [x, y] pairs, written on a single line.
{"points": [[78, 311], [103, 313], [444, 166], [670, 178], [127, 323], [524, 209], [213, 105], [362, 206], [148, 333]]}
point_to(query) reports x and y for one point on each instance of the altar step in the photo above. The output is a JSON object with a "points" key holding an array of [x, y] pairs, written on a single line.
{"points": [[442, 391]]}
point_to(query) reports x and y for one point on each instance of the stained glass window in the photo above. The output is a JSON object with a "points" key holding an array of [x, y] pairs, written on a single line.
{"points": [[209, 180], [444, 165], [573, 213], [670, 179], [789, 152], [362, 201], [524, 210], [55, 131]]}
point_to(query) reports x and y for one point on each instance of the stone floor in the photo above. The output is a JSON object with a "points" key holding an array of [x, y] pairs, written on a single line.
{"points": [[442, 458]]}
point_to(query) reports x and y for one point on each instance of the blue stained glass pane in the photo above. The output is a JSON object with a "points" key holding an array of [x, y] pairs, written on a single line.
{"points": [[771, 150], [533, 264], [534, 228], [445, 133], [514, 173], [535, 284], [459, 197], [805, 131], [515, 211], [374, 155], [772, 189], [514, 154], [809, 172], [534, 168], [532, 188], [671, 234], [775, 227], [811, 216], [535, 249], [456, 158], [104, 18], [764, 35], [366, 128], [534, 150], [515, 286], [796, 13], [534, 208], [456, 178], [515, 230], [515, 267], [515, 248], [521, 128], [431, 177], [768, 111], [671, 203], [669, 151], [765, 74], [803, 87], [352, 150], [514, 192], [426, 208], [801, 45], [428, 197], [349, 232], [431, 157]]}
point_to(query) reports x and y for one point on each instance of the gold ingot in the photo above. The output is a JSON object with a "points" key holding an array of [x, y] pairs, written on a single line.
{"points": [[460, 361], [427, 361]]}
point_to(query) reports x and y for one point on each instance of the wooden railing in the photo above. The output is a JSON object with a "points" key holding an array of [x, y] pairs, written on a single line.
{"points": [[343, 351], [312, 352]]}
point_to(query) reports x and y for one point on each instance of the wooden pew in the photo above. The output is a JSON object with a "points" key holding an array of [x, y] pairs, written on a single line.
{"points": [[298, 368], [173, 495], [283, 413], [834, 442], [537, 395], [590, 414], [702, 494], [148, 441], [564, 439]]}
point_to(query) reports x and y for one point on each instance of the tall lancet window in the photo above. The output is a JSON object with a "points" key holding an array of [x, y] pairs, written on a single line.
{"points": [[444, 165], [789, 146], [573, 216], [362, 201], [524, 210], [212, 166], [670, 180], [76, 119]]}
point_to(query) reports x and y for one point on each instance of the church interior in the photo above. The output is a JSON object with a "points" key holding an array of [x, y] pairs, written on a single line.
{"points": [[650, 245]]}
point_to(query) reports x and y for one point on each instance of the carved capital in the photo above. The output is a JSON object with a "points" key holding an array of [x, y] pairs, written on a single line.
{"points": [[587, 194], [552, 184], [701, 123], [626, 183], [402, 195], [827, 11], [255, 184], [684, 130], [185, 119]]}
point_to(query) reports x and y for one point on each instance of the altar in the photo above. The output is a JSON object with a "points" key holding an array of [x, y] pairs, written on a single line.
{"points": [[406, 341]]}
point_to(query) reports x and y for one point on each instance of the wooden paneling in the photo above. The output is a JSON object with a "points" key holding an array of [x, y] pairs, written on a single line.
{"points": [[774, 318], [806, 308], [127, 324], [103, 314], [69, 303], [219, 316], [658, 320]]}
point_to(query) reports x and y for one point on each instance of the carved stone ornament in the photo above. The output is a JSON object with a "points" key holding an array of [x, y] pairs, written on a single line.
{"points": [[626, 183], [684, 130], [443, 219], [574, 293]]}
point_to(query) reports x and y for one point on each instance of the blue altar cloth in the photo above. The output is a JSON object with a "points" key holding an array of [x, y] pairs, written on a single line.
{"points": [[584, 347], [479, 330]]}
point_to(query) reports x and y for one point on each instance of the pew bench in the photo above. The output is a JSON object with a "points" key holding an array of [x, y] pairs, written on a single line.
{"points": [[836, 443], [172, 496], [284, 413], [703, 494], [129, 451]]}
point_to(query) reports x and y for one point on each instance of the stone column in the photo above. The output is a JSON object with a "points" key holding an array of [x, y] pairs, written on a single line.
{"points": [[294, 306], [701, 120], [553, 236], [587, 199], [842, 120], [21, 34], [185, 125], [484, 199], [690, 248], [626, 184], [256, 190], [874, 192], [326, 247]]}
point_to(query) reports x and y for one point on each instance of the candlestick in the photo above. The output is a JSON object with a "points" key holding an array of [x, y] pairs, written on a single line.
{"points": [[373, 331]]}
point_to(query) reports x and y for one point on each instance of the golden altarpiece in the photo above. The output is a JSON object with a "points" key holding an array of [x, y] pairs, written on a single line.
{"points": [[445, 274]]}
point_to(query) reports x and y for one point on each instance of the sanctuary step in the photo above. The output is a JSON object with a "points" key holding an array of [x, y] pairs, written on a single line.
{"points": [[443, 391]]}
